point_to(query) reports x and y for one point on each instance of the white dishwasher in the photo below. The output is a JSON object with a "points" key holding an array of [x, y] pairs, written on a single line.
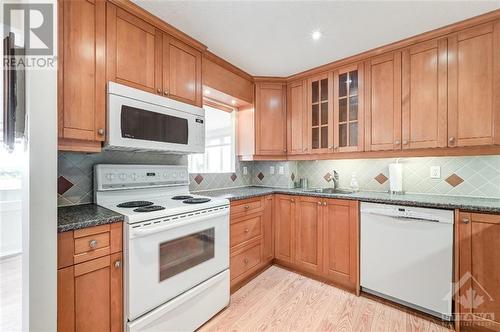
{"points": [[407, 256]]}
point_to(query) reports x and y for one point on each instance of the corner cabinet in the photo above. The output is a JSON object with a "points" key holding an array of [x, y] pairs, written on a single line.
{"points": [[144, 57], [270, 119], [81, 76], [474, 85]]}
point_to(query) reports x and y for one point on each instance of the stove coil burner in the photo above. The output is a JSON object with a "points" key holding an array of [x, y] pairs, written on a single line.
{"points": [[181, 197], [198, 200], [149, 208], [134, 204]]}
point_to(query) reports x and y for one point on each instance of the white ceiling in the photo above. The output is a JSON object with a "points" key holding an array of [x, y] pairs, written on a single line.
{"points": [[273, 38]]}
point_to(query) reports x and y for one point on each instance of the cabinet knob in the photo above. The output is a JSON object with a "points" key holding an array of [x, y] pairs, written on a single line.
{"points": [[165, 93], [292, 200], [93, 244], [247, 230], [304, 149], [405, 142], [451, 139], [331, 147], [284, 150], [118, 264], [319, 203], [397, 142], [465, 220], [247, 207], [100, 131], [158, 90], [245, 260], [324, 203]]}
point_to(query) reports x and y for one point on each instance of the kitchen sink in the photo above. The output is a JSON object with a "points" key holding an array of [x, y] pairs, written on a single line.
{"points": [[330, 191]]}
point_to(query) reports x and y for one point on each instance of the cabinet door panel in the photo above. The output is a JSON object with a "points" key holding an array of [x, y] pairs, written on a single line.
{"points": [[181, 71], [270, 118], [425, 95], [131, 50], [320, 114], [82, 94], [479, 246], [308, 241], [383, 102], [474, 78], [340, 231], [268, 220], [297, 118], [285, 218]]}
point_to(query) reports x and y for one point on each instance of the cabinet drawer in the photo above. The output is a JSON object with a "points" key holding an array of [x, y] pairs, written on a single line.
{"points": [[88, 243], [245, 230], [245, 260], [247, 206]]}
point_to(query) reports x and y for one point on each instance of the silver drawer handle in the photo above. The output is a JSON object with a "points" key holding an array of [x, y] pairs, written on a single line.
{"points": [[93, 244]]}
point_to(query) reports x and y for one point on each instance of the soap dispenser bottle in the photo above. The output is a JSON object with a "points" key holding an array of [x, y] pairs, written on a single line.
{"points": [[354, 182]]}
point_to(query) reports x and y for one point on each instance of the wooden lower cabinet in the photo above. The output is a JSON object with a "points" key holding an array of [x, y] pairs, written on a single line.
{"points": [[90, 293], [478, 298], [284, 223], [268, 220], [308, 230]]}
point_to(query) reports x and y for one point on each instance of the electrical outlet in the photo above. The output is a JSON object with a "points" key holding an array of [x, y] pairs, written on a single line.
{"points": [[271, 169], [435, 172], [245, 170], [281, 170]]}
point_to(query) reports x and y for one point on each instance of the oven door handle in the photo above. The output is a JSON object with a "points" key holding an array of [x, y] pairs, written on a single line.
{"points": [[161, 227]]}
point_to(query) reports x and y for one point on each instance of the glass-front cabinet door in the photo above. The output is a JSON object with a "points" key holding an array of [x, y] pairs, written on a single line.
{"points": [[320, 113], [348, 109]]}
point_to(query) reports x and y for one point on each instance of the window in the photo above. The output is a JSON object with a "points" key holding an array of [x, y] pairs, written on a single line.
{"points": [[219, 156]]}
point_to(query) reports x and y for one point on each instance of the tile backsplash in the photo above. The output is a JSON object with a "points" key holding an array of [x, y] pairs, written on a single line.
{"points": [[463, 176]]}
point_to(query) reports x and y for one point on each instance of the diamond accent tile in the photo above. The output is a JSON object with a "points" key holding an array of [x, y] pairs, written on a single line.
{"points": [[454, 180], [198, 178], [292, 176], [381, 178], [260, 176], [327, 177], [234, 177], [63, 185]]}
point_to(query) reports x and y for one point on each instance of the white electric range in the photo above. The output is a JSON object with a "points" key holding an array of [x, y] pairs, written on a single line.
{"points": [[176, 246]]}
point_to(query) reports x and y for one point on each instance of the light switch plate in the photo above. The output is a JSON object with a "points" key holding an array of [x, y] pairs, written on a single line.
{"points": [[435, 172], [281, 170], [271, 169], [245, 170]]}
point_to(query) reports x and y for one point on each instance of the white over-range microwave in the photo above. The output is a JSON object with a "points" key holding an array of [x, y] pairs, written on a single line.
{"points": [[142, 121]]}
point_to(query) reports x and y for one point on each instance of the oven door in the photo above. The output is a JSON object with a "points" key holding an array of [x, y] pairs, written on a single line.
{"points": [[139, 120], [163, 261]]}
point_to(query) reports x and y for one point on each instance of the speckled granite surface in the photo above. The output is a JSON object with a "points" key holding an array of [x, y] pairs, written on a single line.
{"points": [[81, 216], [435, 201]]}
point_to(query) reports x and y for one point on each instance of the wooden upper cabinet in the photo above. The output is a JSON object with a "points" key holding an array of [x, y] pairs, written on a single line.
{"points": [[474, 85], [131, 50], [284, 227], [180, 71], [383, 102], [270, 118], [341, 241], [82, 82], [320, 113], [297, 133], [348, 108], [425, 103], [479, 253], [308, 232]]}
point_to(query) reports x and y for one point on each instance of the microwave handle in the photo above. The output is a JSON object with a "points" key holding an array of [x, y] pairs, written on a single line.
{"points": [[161, 227]]}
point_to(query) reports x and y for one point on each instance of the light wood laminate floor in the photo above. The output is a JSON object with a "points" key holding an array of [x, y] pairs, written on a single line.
{"points": [[280, 300]]}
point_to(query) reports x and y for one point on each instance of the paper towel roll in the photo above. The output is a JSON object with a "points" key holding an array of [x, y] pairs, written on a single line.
{"points": [[396, 178]]}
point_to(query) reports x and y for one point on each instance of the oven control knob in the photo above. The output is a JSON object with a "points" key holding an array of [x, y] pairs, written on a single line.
{"points": [[165, 175], [174, 175], [123, 176], [110, 176], [134, 176]]}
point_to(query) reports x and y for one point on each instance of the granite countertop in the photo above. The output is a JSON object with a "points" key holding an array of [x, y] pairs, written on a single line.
{"points": [[421, 200], [81, 216]]}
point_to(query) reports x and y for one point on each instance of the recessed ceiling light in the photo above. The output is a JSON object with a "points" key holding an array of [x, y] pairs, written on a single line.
{"points": [[207, 92], [316, 35]]}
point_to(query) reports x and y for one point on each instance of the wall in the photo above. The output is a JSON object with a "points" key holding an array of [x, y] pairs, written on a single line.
{"points": [[462, 176]]}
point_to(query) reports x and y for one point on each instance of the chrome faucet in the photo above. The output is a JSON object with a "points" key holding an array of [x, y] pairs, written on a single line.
{"points": [[335, 179]]}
